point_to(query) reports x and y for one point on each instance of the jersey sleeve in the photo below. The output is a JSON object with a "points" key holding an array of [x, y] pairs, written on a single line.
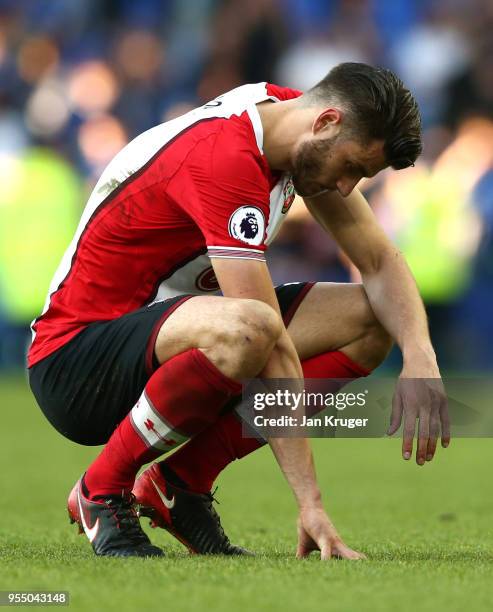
{"points": [[231, 195]]}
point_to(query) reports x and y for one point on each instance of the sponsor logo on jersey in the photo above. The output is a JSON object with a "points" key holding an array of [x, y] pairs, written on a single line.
{"points": [[207, 281], [248, 225], [289, 194]]}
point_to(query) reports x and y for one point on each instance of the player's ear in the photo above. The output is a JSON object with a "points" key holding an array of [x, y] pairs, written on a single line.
{"points": [[327, 120]]}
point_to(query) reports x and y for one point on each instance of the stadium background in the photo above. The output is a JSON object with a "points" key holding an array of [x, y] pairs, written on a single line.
{"points": [[79, 78]]}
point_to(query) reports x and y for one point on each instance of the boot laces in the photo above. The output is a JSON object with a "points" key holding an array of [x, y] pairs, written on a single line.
{"points": [[209, 498], [125, 513]]}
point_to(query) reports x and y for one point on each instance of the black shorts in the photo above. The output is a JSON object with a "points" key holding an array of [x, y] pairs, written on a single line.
{"points": [[90, 384]]}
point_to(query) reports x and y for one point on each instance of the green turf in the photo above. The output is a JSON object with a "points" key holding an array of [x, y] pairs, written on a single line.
{"points": [[427, 531]]}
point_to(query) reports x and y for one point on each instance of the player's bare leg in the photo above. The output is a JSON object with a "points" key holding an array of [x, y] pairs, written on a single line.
{"points": [[334, 321], [338, 317], [237, 336]]}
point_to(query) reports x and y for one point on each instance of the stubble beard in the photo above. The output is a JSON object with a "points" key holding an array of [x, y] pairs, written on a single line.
{"points": [[308, 166]]}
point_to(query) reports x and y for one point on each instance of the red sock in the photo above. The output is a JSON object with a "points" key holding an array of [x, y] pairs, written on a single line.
{"points": [[167, 413], [200, 461]]}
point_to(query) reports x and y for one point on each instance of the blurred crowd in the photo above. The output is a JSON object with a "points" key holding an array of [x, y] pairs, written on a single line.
{"points": [[79, 78]]}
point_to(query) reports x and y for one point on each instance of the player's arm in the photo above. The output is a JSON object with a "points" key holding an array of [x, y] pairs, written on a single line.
{"points": [[242, 278], [396, 302]]}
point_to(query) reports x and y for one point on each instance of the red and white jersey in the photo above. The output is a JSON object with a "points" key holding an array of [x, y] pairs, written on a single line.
{"points": [[193, 188]]}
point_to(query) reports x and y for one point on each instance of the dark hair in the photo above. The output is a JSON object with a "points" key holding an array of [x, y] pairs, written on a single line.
{"points": [[378, 106]]}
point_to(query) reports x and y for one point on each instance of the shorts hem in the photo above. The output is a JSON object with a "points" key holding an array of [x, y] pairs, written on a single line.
{"points": [[151, 362]]}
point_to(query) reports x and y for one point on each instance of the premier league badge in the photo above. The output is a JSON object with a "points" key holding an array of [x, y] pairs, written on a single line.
{"points": [[248, 225]]}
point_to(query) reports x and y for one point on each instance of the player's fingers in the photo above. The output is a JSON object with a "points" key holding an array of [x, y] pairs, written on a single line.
{"points": [[302, 551], [434, 433], [354, 555], [325, 551], [305, 546], [396, 414], [431, 448], [423, 437], [408, 435], [344, 552], [421, 450], [445, 422]]}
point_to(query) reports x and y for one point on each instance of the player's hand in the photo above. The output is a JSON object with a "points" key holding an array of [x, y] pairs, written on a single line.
{"points": [[420, 395], [316, 532]]}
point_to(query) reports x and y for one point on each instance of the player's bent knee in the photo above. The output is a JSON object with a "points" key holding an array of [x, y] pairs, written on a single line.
{"points": [[244, 346], [260, 319], [255, 328]]}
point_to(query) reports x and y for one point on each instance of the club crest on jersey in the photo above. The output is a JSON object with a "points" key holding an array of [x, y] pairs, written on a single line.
{"points": [[248, 225], [207, 281], [289, 194]]}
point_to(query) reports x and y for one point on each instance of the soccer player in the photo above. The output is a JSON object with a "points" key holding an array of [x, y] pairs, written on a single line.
{"points": [[134, 351]]}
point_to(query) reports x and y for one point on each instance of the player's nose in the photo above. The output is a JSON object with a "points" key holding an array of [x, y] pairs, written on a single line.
{"points": [[345, 186]]}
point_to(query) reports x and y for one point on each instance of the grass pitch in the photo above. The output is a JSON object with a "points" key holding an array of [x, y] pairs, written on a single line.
{"points": [[427, 531]]}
